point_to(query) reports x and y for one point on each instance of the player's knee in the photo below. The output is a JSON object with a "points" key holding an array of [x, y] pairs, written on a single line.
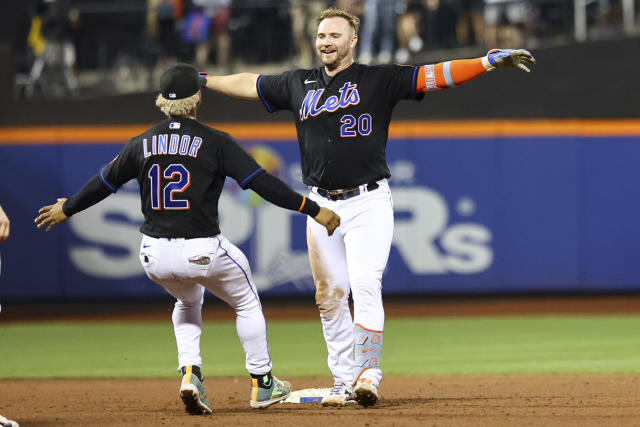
{"points": [[330, 299], [366, 288], [246, 307], [188, 298]]}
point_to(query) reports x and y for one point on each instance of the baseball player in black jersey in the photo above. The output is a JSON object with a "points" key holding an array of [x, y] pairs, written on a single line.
{"points": [[181, 166], [342, 112]]}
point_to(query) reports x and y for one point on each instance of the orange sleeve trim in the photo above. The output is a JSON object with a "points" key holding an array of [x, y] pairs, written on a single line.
{"points": [[304, 200]]}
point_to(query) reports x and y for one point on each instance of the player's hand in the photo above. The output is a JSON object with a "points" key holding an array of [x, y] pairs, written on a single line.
{"points": [[329, 219], [4, 225], [51, 215], [511, 58]]}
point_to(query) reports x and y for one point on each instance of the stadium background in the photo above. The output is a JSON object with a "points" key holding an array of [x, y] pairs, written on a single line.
{"points": [[514, 194], [514, 183]]}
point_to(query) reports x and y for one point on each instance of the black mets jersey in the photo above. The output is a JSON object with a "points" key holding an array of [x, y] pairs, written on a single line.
{"points": [[342, 121], [181, 166]]}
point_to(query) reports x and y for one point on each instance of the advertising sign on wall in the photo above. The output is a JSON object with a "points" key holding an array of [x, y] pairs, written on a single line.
{"points": [[489, 215]]}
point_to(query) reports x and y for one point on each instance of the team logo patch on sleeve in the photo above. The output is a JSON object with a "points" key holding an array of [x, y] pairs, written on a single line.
{"points": [[174, 125], [200, 260]]}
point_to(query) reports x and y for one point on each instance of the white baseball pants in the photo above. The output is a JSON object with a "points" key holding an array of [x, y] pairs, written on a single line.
{"points": [[185, 267], [354, 258]]}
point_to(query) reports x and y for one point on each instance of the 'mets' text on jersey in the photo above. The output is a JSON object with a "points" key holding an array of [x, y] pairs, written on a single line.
{"points": [[342, 121], [181, 167]]}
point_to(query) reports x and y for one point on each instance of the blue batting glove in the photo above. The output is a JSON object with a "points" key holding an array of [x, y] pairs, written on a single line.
{"points": [[510, 58]]}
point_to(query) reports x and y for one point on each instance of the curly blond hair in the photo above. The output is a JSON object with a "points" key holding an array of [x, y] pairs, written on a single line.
{"points": [[178, 107], [332, 12]]}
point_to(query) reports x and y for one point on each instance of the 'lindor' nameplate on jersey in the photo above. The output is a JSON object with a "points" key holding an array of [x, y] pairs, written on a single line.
{"points": [[172, 144]]}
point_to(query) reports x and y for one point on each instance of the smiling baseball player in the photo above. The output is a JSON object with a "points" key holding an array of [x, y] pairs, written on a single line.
{"points": [[181, 166], [342, 112]]}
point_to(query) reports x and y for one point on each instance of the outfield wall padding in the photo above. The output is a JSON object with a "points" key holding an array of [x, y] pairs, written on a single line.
{"points": [[501, 213]]}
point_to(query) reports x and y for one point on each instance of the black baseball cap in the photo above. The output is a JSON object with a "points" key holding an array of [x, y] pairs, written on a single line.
{"points": [[180, 81]]}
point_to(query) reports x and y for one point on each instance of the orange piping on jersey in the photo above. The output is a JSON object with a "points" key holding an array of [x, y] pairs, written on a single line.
{"points": [[369, 330], [304, 200]]}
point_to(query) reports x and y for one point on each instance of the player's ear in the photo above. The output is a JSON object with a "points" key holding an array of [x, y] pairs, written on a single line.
{"points": [[354, 40]]}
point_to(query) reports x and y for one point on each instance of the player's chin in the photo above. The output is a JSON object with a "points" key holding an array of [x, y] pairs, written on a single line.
{"points": [[330, 63], [328, 57]]}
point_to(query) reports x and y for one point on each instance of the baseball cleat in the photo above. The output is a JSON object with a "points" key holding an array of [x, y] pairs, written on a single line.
{"points": [[194, 395], [5, 422], [339, 395], [366, 392], [264, 397]]}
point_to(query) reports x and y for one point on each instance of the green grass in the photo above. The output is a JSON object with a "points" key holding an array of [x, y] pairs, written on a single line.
{"points": [[424, 346]]}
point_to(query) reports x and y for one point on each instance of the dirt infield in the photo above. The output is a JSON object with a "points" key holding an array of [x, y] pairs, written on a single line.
{"points": [[558, 400], [533, 400]]}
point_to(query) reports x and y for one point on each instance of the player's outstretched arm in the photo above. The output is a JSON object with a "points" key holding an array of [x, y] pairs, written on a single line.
{"points": [[241, 85], [449, 74], [51, 215], [4, 225], [91, 193], [273, 190]]}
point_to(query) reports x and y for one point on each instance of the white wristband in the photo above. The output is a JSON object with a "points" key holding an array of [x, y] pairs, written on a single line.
{"points": [[487, 65]]}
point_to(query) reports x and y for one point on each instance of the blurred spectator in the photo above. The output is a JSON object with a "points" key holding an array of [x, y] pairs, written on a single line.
{"points": [[378, 29], [224, 32], [408, 30], [163, 17], [470, 24], [354, 6], [35, 39], [260, 30], [508, 22], [439, 25], [303, 23], [554, 18], [208, 22], [195, 32], [51, 38]]}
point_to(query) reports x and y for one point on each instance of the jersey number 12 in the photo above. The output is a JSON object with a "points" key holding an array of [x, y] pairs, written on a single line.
{"points": [[180, 180]]}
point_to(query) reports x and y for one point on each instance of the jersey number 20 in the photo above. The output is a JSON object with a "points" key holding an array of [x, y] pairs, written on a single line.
{"points": [[349, 123], [167, 199]]}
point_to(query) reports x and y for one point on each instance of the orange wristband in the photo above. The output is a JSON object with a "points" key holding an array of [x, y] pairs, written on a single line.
{"points": [[304, 200]]}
